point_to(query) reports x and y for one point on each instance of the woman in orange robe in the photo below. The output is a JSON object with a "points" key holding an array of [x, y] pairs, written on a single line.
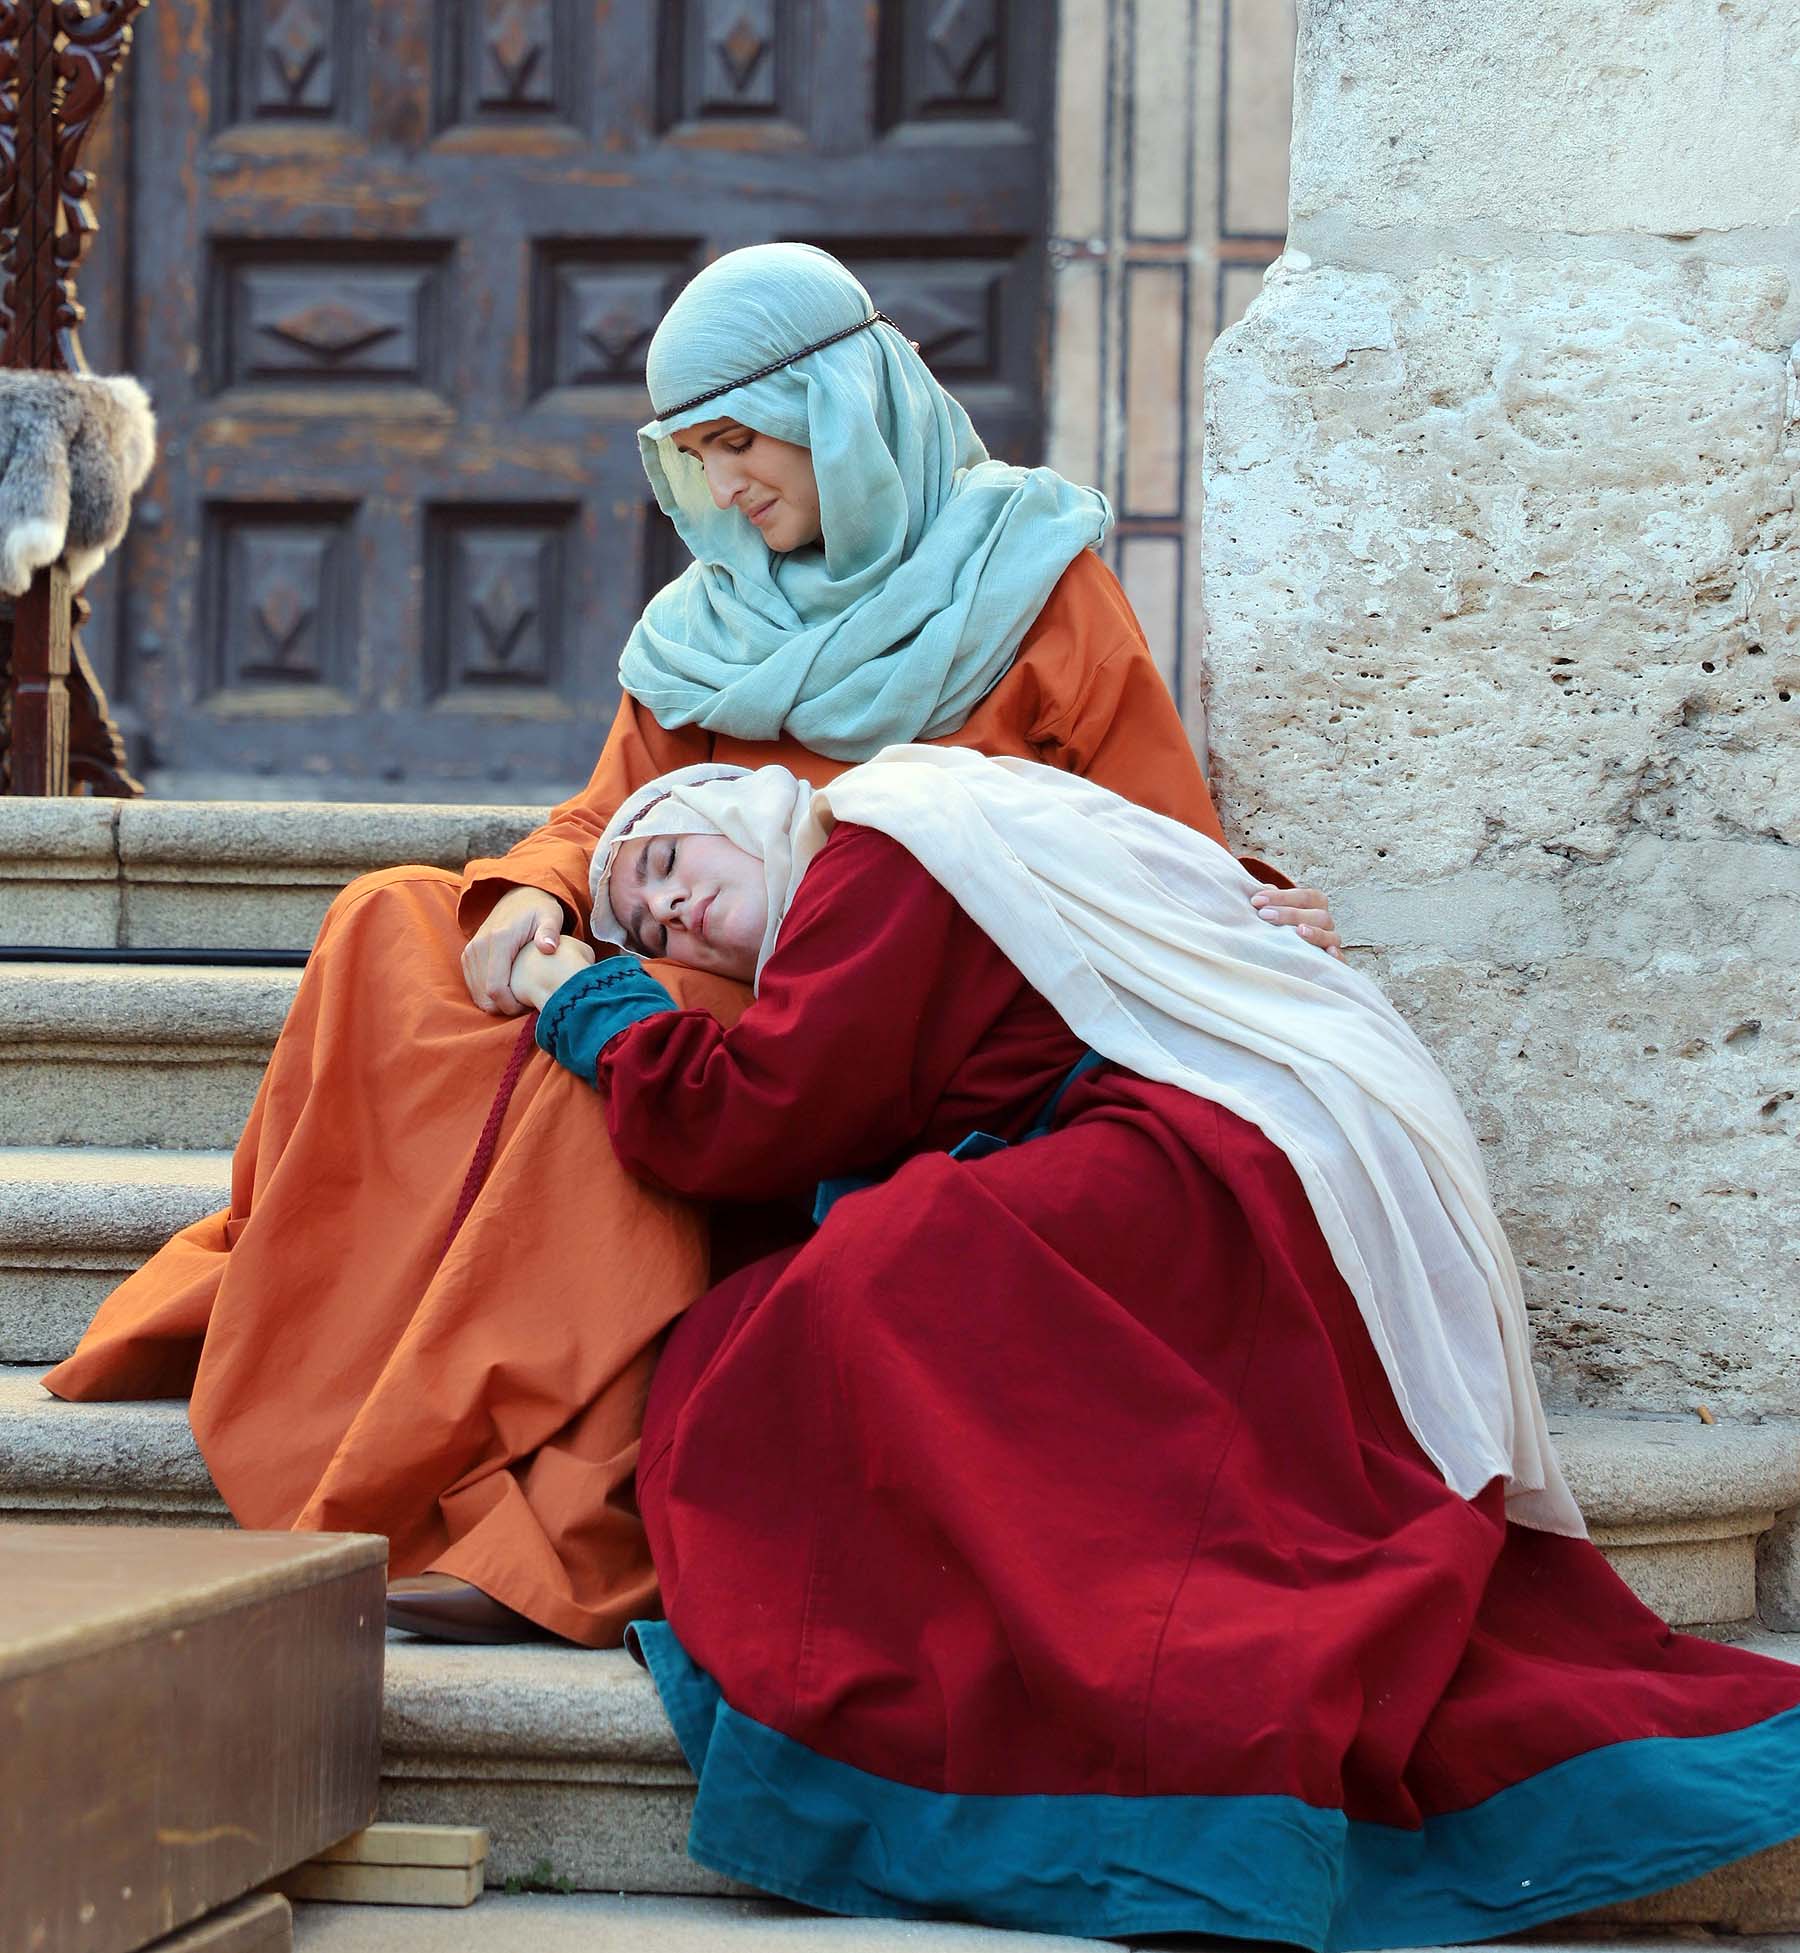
{"points": [[480, 1403]]}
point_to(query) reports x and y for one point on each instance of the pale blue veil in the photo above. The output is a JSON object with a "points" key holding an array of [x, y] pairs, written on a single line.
{"points": [[935, 560]]}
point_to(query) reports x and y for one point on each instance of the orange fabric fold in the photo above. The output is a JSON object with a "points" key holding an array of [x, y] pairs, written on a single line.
{"points": [[482, 1412]]}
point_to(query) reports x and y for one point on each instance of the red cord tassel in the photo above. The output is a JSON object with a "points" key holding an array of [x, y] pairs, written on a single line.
{"points": [[490, 1133]]}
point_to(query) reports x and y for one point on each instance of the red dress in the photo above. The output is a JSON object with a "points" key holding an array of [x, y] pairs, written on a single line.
{"points": [[1040, 1541]]}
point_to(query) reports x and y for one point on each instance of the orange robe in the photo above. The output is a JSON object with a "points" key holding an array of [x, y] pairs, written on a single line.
{"points": [[482, 1407]]}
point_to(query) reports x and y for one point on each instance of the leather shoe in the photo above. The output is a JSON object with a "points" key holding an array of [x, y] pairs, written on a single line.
{"points": [[445, 1608]]}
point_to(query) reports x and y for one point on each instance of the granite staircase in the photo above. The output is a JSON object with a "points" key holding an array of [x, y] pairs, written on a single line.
{"points": [[123, 1084]]}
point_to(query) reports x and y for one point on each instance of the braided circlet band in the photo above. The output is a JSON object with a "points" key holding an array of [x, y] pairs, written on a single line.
{"points": [[774, 366]]}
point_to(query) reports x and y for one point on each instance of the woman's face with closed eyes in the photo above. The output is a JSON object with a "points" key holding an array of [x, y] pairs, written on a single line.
{"points": [[696, 899]]}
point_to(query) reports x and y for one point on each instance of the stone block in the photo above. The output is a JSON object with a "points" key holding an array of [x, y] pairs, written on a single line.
{"points": [[384, 1885], [1411, 115], [1502, 584], [409, 1844], [1691, 1580], [134, 1056], [59, 872], [133, 1462], [1676, 1477], [1778, 1574], [1677, 1506], [75, 1221], [255, 875]]}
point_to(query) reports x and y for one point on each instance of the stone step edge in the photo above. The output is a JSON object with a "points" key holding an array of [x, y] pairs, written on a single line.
{"points": [[59, 1010], [109, 840], [1700, 1572], [97, 1201], [467, 1737], [1646, 1479]]}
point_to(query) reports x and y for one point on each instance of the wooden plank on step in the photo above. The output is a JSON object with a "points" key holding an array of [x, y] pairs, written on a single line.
{"points": [[385, 1885], [409, 1844], [261, 1924], [185, 1713]]}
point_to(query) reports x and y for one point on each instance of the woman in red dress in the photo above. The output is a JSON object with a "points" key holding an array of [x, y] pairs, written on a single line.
{"points": [[1069, 1534]]}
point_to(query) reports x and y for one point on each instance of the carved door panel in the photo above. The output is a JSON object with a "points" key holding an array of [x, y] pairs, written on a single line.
{"points": [[395, 265]]}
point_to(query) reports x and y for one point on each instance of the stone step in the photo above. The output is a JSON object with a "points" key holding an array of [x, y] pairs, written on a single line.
{"points": [[134, 1055], [566, 1755], [1677, 1506], [76, 1220], [135, 1463], [592, 1922], [1681, 1507], [151, 874], [585, 1922]]}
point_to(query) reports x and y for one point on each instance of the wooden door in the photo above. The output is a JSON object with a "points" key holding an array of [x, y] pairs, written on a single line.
{"points": [[393, 268]]}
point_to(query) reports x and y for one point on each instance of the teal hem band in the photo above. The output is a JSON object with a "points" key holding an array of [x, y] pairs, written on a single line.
{"points": [[1611, 1824]]}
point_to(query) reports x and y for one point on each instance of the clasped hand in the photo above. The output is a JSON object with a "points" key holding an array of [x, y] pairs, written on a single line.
{"points": [[520, 955], [537, 972]]}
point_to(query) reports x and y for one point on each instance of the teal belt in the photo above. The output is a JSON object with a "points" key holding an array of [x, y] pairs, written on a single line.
{"points": [[977, 1146]]}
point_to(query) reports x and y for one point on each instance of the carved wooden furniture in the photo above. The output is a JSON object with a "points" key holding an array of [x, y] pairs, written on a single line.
{"points": [[58, 59]]}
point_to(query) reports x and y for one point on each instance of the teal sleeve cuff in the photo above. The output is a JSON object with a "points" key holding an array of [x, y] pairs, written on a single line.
{"points": [[585, 1014]]}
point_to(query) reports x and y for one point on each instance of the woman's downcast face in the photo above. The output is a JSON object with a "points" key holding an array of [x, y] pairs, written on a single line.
{"points": [[697, 899], [770, 483]]}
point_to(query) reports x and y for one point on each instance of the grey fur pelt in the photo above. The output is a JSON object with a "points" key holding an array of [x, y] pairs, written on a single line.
{"points": [[74, 449]]}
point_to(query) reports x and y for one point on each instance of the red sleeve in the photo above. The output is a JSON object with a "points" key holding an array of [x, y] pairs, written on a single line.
{"points": [[880, 989]]}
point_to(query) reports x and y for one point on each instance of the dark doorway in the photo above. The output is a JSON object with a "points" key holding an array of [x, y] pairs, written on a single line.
{"points": [[392, 267]]}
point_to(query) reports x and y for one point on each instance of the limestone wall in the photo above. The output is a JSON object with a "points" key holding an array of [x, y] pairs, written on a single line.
{"points": [[1502, 581]]}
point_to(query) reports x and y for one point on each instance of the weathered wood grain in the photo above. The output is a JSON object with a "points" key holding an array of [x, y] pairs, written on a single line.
{"points": [[184, 1714]]}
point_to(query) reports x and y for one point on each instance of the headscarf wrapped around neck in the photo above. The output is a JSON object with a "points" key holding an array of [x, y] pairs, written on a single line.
{"points": [[935, 559], [1141, 935]]}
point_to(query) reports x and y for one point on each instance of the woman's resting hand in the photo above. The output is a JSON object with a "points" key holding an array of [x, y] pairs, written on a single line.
{"points": [[536, 975], [522, 918], [1305, 909]]}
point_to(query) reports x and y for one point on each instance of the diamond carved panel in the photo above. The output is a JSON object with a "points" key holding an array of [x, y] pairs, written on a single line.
{"points": [[278, 598], [285, 60], [317, 320], [942, 58], [951, 307], [597, 306], [496, 597], [730, 61], [509, 61]]}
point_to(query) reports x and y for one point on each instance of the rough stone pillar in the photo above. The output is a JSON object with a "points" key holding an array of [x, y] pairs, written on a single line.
{"points": [[1502, 583]]}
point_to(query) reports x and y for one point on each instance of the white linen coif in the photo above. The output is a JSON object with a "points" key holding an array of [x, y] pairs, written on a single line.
{"points": [[1140, 933]]}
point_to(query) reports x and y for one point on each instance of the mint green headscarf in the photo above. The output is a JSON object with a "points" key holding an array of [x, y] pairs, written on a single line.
{"points": [[935, 560]]}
